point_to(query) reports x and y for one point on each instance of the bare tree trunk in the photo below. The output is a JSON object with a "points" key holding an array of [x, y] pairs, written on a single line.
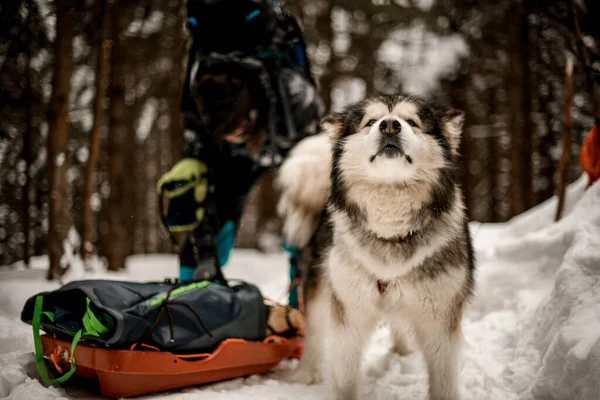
{"points": [[27, 143], [548, 167], [460, 100], [27, 156], [176, 87], [132, 171], [90, 168], [325, 34], [521, 125], [516, 143], [547, 141], [118, 156], [58, 123], [176, 131], [492, 166], [163, 244], [141, 231], [152, 216], [527, 106], [565, 157]]}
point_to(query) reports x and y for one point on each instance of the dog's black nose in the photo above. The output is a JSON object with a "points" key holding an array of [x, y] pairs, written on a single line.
{"points": [[390, 126]]}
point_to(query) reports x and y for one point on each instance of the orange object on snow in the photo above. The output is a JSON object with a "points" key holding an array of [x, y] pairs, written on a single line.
{"points": [[124, 373], [589, 156]]}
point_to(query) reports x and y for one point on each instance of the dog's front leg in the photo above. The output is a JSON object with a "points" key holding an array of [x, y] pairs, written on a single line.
{"points": [[345, 340], [309, 368], [440, 343]]}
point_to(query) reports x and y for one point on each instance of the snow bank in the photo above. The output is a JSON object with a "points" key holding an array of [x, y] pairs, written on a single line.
{"points": [[532, 330], [543, 215], [16, 372], [558, 351]]}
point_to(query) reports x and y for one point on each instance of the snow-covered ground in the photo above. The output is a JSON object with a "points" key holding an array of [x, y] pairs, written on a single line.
{"points": [[532, 331]]}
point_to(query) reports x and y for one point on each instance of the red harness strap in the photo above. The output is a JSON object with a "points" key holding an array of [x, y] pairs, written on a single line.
{"points": [[382, 285]]}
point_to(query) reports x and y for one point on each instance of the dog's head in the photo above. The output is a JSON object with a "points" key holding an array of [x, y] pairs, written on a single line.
{"points": [[394, 139]]}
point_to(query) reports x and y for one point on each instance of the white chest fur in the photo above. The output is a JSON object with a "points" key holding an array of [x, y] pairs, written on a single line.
{"points": [[389, 208], [370, 262]]}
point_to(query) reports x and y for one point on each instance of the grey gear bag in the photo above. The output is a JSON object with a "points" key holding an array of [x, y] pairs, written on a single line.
{"points": [[183, 318]]}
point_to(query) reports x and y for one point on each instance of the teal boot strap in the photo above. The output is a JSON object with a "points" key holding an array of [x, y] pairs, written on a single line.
{"points": [[224, 241], [293, 295], [186, 273]]}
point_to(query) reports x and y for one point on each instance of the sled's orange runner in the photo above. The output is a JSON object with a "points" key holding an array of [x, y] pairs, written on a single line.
{"points": [[124, 373]]}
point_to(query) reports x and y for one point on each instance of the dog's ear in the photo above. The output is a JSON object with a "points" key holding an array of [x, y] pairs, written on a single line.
{"points": [[452, 121], [332, 124]]}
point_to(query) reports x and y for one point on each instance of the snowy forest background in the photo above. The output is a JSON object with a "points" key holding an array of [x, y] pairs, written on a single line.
{"points": [[502, 62]]}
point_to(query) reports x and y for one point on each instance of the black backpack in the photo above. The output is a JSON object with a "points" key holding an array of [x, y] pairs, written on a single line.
{"points": [[225, 26], [264, 39]]}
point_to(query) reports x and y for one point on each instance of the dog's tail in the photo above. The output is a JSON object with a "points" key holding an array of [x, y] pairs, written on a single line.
{"points": [[304, 182]]}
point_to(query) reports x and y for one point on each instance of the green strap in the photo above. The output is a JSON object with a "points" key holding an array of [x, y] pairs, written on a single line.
{"points": [[159, 299], [49, 314], [39, 350], [92, 326]]}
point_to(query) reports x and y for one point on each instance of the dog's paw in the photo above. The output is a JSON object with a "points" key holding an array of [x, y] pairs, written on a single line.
{"points": [[302, 376]]}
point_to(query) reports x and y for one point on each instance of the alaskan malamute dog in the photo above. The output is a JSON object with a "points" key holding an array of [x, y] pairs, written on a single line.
{"points": [[374, 204]]}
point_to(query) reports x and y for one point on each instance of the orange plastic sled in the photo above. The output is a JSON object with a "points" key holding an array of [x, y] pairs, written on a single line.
{"points": [[124, 373]]}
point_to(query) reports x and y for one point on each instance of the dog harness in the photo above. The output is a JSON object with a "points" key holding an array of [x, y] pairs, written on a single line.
{"points": [[395, 239]]}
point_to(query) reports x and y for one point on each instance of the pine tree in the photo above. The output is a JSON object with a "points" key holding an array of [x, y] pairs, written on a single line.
{"points": [[58, 124]]}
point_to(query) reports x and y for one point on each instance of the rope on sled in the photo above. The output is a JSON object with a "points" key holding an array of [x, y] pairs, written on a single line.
{"points": [[165, 307]]}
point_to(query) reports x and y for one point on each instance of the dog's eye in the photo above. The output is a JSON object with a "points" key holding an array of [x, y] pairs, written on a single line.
{"points": [[411, 123], [371, 122]]}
